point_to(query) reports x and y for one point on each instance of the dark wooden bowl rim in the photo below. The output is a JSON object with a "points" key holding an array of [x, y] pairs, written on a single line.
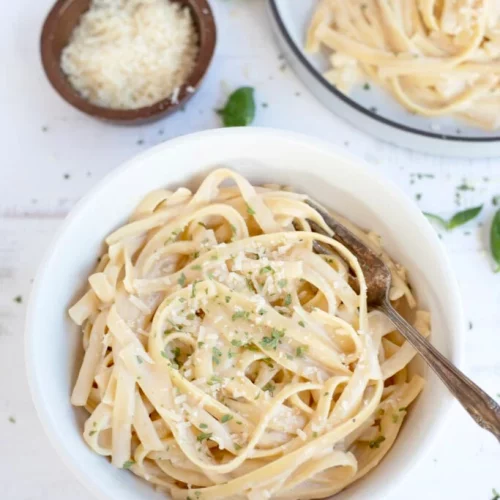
{"points": [[55, 35]]}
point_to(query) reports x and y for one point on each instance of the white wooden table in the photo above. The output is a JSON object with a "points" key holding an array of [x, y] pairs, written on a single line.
{"points": [[53, 155]]}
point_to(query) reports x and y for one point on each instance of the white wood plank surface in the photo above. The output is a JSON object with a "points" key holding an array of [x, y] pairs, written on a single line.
{"points": [[54, 155]]}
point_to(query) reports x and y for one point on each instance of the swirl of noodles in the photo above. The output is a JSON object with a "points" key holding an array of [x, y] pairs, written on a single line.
{"points": [[435, 57], [225, 359]]}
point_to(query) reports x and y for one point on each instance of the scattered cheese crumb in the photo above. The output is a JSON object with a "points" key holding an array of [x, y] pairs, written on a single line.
{"points": [[180, 399]]}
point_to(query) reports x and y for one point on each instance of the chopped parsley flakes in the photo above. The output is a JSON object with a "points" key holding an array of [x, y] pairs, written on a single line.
{"points": [[301, 350], [176, 351], [240, 314], [269, 387], [273, 341], [376, 442], [193, 290], [266, 269], [214, 379], [128, 464], [216, 355], [250, 210], [226, 418], [203, 436]]}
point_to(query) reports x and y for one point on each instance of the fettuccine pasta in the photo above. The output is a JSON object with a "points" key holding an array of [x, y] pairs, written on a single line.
{"points": [[225, 359], [436, 57]]}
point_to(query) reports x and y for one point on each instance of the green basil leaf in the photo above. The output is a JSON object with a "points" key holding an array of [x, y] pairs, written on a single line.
{"points": [[495, 239], [239, 110], [437, 219], [463, 217], [458, 219]]}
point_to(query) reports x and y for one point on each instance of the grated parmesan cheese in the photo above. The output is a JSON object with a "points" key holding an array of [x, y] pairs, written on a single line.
{"points": [[126, 54], [180, 399]]}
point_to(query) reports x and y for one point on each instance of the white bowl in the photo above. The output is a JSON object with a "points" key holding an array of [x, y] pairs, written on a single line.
{"points": [[53, 344], [390, 122]]}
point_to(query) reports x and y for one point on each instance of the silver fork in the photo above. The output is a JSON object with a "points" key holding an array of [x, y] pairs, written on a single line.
{"points": [[481, 407]]}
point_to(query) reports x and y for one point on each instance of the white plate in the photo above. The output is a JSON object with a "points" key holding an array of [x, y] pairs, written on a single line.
{"points": [[53, 343], [374, 111]]}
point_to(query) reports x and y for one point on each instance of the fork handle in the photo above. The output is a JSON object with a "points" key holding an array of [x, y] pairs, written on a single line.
{"points": [[481, 407]]}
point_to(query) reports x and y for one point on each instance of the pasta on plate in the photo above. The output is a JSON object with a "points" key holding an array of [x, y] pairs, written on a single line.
{"points": [[225, 359], [435, 57]]}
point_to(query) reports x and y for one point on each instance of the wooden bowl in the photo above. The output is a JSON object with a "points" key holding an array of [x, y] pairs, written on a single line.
{"points": [[62, 20]]}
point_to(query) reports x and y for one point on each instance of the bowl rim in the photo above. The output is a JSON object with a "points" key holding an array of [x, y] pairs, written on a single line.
{"points": [[299, 54], [203, 18], [48, 422]]}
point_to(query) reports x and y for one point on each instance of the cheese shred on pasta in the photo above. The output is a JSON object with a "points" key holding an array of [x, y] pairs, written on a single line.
{"points": [[436, 57], [225, 359]]}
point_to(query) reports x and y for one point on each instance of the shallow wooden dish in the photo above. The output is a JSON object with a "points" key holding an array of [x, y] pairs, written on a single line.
{"points": [[62, 20]]}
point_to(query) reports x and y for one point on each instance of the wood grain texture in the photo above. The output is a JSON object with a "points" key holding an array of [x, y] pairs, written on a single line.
{"points": [[55, 155]]}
